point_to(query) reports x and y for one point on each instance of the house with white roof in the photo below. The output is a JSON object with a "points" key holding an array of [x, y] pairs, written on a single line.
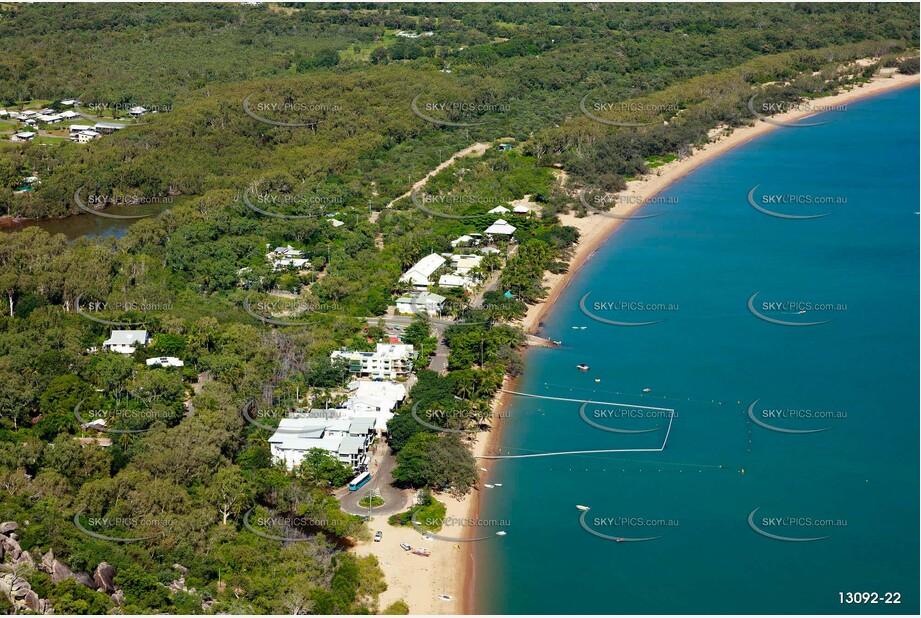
{"points": [[77, 128], [463, 241], [49, 118], [389, 361], [126, 341], [165, 361], [375, 400], [421, 301], [68, 102], [463, 264], [346, 439], [84, 137], [137, 111], [521, 210], [69, 114], [23, 136], [499, 210], [500, 228], [420, 273], [455, 281]]}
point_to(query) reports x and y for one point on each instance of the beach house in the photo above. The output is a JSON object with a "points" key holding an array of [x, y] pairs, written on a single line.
{"points": [[419, 275], [84, 137], [126, 341], [418, 302], [500, 228]]}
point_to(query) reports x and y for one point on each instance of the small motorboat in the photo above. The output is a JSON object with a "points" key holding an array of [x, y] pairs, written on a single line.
{"points": [[597, 379], [498, 484], [500, 533], [421, 551], [484, 470], [619, 540], [445, 597], [582, 367], [488, 486], [646, 390], [579, 327], [582, 508]]}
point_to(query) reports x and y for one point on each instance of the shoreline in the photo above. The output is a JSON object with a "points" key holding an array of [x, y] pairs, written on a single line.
{"points": [[595, 230]]}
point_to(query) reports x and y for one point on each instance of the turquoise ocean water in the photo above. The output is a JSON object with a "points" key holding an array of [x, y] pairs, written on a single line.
{"points": [[855, 483]]}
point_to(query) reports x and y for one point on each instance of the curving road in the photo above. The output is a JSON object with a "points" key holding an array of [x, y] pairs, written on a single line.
{"points": [[395, 500]]}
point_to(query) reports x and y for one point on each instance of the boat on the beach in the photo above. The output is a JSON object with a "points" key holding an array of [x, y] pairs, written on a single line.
{"points": [[582, 367], [582, 507], [421, 551]]}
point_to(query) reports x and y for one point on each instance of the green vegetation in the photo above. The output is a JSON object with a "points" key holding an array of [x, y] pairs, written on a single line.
{"points": [[429, 514], [371, 501], [187, 469]]}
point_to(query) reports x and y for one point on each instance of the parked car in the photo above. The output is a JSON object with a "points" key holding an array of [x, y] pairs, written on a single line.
{"points": [[406, 547], [378, 536]]}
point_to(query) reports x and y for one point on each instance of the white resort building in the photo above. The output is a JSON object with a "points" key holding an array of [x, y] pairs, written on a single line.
{"points": [[389, 362]]}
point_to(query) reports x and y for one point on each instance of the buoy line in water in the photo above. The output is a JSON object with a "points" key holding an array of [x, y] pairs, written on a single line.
{"points": [[671, 418], [715, 402]]}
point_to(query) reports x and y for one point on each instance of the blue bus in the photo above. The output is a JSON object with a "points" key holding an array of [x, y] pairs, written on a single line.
{"points": [[357, 482]]}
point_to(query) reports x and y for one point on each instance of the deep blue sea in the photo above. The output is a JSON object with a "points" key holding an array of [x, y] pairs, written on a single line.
{"points": [[854, 485]]}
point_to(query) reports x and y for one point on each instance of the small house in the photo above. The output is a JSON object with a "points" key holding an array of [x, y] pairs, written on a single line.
{"points": [[126, 341]]}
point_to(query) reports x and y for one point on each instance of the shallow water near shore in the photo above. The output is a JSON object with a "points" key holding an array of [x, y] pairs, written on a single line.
{"points": [[709, 359]]}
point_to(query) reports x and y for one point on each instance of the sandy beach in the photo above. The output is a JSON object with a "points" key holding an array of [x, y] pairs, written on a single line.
{"points": [[451, 569]]}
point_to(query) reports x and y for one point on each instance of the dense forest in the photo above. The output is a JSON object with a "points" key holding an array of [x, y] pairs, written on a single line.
{"points": [[307, 105]]}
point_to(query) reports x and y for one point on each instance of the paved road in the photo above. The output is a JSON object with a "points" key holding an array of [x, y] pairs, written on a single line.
{"points": [[395, 500]]}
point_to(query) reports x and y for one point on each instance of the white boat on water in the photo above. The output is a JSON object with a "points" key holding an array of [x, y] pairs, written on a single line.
{"points": [[488, 486], [498, 484], [646, 390], [582, 508], [500, 533]]}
